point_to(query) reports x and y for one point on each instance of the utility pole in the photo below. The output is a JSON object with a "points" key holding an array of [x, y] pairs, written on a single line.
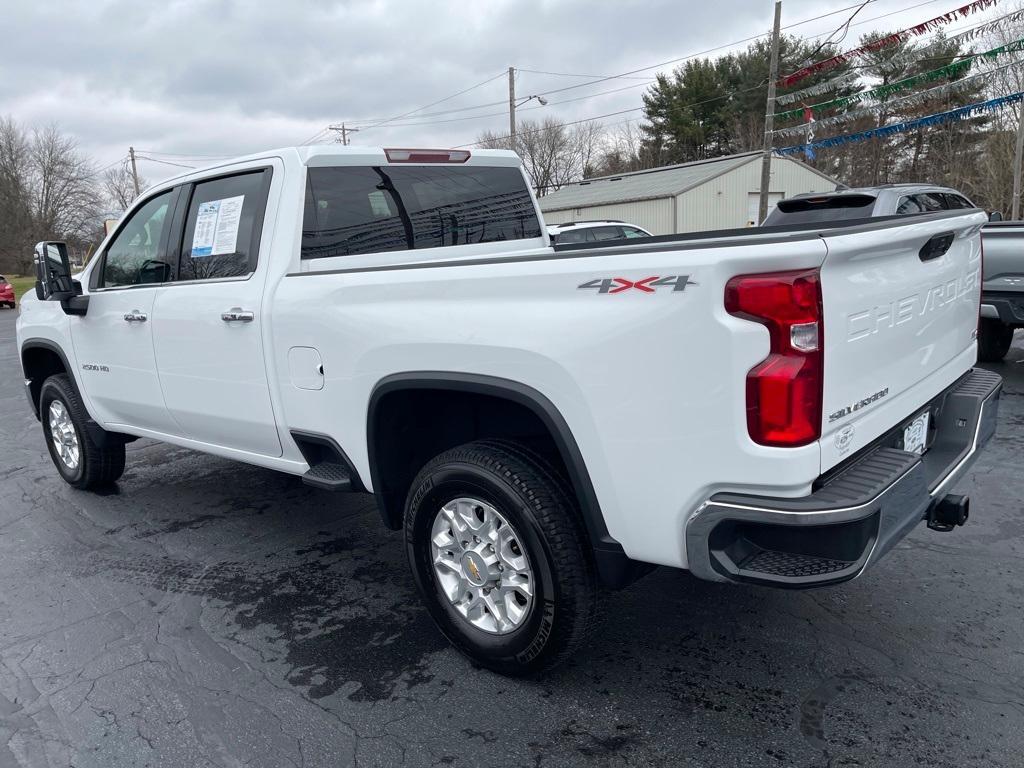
{"points": [[344, 131], [135, 171], [1018, 158], [769, 120], [512, 107]]}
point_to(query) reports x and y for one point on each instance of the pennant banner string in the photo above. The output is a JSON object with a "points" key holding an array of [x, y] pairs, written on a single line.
{"points": [[915, 98], [953, 69], [953, 115], [966, 36], [876, 45]]}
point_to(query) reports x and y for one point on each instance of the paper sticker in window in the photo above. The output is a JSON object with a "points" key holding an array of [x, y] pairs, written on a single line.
{"points": [[216, 230]]}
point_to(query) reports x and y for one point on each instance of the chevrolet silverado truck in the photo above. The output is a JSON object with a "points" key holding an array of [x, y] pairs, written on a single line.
{"points": [[1002, 289], [771, 407]]}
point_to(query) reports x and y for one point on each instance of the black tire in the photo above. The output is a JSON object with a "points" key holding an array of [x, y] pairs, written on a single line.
{"points": [[994, 340], [97, 466], [539, 506]]}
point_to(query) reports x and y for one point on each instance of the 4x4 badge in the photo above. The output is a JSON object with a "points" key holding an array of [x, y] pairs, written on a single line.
{"points": [[647, 285]]}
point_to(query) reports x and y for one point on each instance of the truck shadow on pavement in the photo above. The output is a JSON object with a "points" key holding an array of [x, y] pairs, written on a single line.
{"points": [[310, 590]]}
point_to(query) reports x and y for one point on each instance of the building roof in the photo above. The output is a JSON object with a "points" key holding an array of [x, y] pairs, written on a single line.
{"points": [[652, 184]]}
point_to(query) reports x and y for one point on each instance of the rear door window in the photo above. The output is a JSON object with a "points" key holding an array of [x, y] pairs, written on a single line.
{"points": [[607, 233], [222, 230], [956, 201], [575, 236], [909, 205], [932, 201], [358, 210]]}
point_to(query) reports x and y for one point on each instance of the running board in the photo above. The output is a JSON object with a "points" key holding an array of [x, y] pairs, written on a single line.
{"points": [[329, 467], [328, 475]]}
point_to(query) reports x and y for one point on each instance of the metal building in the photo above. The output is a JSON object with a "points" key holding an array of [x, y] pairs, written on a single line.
{"points": [[721, 193]]}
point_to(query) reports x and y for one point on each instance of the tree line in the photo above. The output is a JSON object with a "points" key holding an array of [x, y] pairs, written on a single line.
{"points": [[707, 108], [51, 190]]}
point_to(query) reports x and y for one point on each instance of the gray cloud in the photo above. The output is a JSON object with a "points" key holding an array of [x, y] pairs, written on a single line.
{"points": [[218, 77]]}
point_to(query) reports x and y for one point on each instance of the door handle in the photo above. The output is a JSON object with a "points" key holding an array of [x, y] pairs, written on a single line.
{"points": [[135, 316], [237, 315]]}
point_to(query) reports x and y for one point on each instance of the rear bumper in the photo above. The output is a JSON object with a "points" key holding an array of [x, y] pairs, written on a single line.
{"points": [[1007, 307], [855, 514]]}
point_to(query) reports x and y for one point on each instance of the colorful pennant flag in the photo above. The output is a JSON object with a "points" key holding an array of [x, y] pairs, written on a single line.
{"points": [[882, 92], [915, 98], [953, 115], [876, 45]]}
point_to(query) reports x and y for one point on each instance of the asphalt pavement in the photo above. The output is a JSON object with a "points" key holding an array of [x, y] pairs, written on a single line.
{"points": [[209, 613]]}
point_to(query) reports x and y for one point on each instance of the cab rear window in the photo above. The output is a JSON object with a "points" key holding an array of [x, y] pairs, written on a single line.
{"points": [[814, 210], [359, 210]]}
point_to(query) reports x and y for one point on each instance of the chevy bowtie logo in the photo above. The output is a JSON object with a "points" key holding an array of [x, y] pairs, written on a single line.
{"points": [[646, 285]]}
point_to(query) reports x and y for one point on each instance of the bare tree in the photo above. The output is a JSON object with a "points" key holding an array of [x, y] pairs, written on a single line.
{"points": [[15, 206], [47, 191], [992, 183], [621, 151], [553, 153], [119, 187]]}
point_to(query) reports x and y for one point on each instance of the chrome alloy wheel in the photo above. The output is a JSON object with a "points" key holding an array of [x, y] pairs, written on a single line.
{"points": [[63, 434], [481, 566]]}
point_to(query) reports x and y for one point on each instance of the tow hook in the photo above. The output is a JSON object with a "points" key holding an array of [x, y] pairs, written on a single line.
{"points": [[950, 511]]}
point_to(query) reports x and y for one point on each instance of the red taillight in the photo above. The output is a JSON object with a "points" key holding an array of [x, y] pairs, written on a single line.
{"points": [[426, 155], [784, 391]]}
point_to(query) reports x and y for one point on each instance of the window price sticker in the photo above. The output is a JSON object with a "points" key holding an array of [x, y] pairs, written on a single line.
{"points": [[216, 230]]}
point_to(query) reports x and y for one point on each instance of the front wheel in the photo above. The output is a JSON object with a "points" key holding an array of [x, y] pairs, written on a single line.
{"points": [[499, 554], [994, 340], [80, 460]]}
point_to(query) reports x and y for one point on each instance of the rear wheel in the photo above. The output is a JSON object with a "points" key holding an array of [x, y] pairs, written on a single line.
{"points": [[994, 340], [80, 460], [499, 554]]}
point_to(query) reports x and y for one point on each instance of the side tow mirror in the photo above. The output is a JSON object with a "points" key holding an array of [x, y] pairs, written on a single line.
{"points": [[995, 216], [53, 278]]}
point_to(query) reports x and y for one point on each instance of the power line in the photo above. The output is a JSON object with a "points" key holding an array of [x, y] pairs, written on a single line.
{"points": [[619, 112], [569, 74], [845, 27], [730, 45], [315, 136], [186, 155], [522, 109], [901, 36], [374, 122], [165, 162], [107, 167], [434, 103]]}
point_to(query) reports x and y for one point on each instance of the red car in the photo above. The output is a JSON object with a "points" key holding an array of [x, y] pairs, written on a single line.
{"points": [[6, 293]]}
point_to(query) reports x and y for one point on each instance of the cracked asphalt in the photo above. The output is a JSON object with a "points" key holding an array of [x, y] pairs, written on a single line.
{"points": [[210, 613]]}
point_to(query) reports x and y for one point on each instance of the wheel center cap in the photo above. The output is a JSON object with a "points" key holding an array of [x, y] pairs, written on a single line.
{"points": [[474, 569]]}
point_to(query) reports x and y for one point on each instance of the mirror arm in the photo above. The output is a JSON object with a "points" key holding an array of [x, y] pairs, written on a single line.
{"points": [[74, 304]]}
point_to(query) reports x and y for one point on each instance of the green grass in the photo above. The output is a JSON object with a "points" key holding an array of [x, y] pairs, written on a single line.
{"points": [[21, 285]]}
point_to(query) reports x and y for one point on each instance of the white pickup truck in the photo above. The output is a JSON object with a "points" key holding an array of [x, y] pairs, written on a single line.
{"points": [[774, 406]]}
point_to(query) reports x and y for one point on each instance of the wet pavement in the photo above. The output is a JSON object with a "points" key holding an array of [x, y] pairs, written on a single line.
{"points": [[210, 613]]}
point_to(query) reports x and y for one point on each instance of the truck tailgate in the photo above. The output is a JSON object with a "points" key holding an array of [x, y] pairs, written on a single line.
{"points": [[900, 307]]}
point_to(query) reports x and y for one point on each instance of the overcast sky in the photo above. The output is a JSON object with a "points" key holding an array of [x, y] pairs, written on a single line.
{"points": [[216, 77]]}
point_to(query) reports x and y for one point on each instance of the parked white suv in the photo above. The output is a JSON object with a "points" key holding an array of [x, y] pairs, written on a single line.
{"points": [[594, 231], [772, 406]]}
